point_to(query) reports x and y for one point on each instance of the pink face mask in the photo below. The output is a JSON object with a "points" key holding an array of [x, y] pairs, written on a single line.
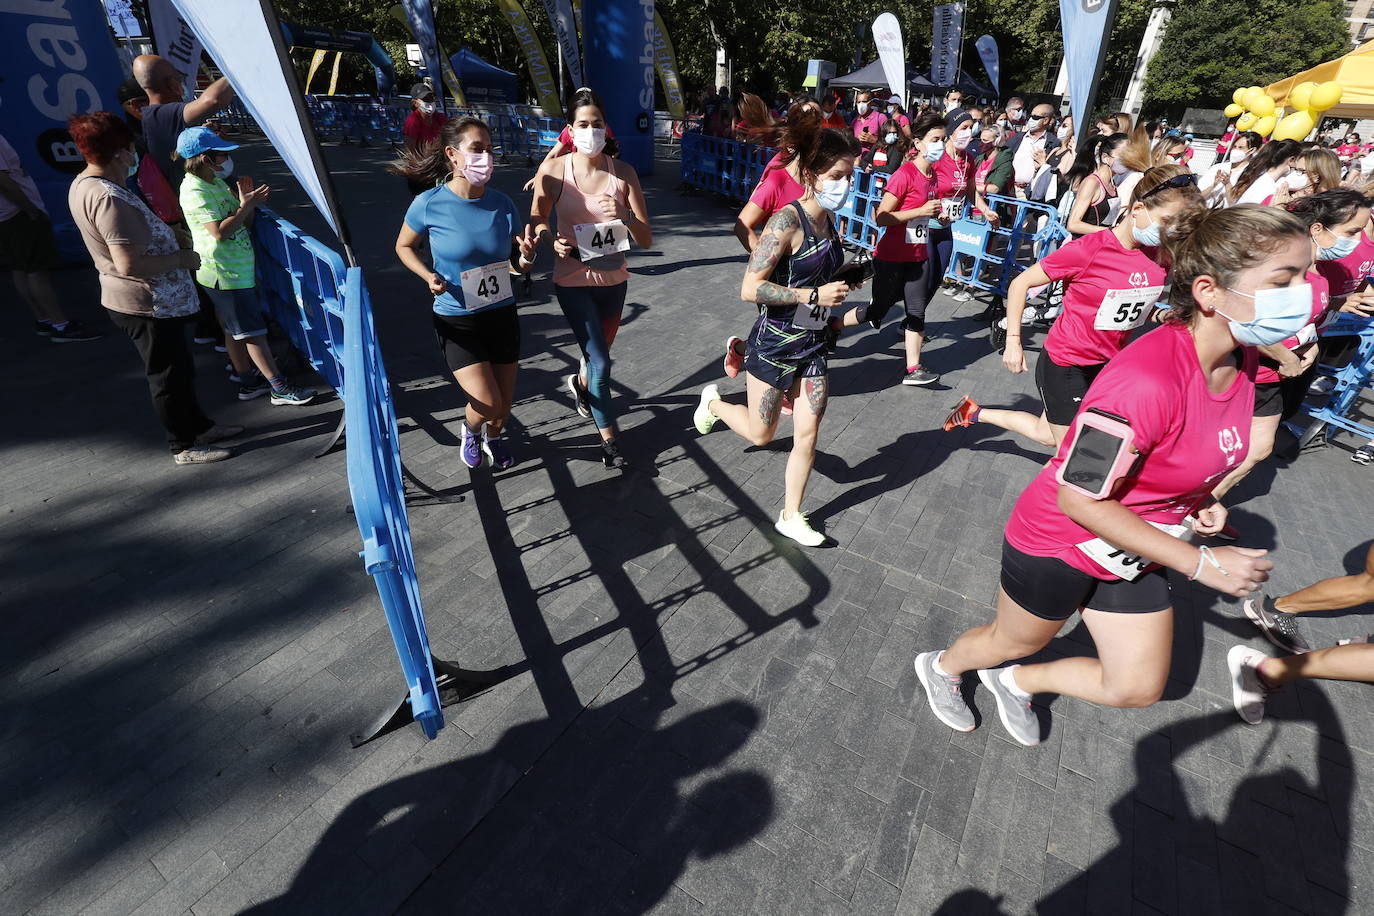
{"points": [[479, 168], [962, 138]]}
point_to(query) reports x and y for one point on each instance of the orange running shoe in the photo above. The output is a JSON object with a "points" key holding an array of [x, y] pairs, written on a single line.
{"points": [[734, 357], [965, 413]]}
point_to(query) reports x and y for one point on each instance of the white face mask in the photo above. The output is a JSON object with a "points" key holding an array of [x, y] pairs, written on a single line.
{"points": [[589, 140], [426, 107], [935, 150], [225, 168], [1297, 181], [863, 108], [889, 138], [1240, 155], [833, 193]]}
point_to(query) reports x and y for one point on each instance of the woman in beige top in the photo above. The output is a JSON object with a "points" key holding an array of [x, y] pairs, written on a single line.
{"points": [[145, 283]]}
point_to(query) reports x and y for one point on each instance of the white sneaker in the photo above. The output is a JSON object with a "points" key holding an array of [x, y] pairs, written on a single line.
{"points": [[1247, 691], [201, 454], [1322, 385], [703, 418], [799, 529]]}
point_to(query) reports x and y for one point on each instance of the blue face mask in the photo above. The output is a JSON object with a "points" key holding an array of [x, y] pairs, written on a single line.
{"points": [[833, 193], [1149, 236], [935, 153], [1279, 314], [1338, 250]]}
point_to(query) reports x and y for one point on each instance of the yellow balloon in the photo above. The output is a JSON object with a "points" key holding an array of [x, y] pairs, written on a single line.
{"points": [[1295, 126], [1301, 96], [1236, 96], [1234, 110], [1246, 121], [1263, 106], [1251, 97], [1265, 125], [1327, 95]]}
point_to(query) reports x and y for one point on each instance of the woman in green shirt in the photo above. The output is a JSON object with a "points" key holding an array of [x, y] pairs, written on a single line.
{"points": [[218, 220]]}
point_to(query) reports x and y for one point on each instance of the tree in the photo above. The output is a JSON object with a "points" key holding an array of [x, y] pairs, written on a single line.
{"points": [[1213, 47]]}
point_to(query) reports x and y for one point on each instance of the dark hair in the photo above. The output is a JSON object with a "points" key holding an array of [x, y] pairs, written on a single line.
{"points": [[583, 98], [816, 148], [100, 135], [1090, 156], [924, 124], [1329, 208], [1269, 155], [1252, 139], [429, 163], [1222, 243], [803, 118]]}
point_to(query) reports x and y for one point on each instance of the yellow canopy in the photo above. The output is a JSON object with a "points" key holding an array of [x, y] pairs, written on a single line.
{"points": [[1354, 71]]}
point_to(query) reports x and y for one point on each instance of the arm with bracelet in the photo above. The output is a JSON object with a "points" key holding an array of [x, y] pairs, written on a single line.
{"points": [[1013, 357], [779, 239]]}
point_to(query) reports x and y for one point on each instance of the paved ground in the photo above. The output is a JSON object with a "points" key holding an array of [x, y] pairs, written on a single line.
{"points": [[707, 718]]}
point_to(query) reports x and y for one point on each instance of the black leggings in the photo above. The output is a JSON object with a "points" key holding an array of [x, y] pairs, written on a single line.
{"points": [[167, 362], [904, 280]]}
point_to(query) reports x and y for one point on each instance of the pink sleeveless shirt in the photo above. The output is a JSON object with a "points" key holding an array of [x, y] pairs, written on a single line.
{"points": [[576, 206]]}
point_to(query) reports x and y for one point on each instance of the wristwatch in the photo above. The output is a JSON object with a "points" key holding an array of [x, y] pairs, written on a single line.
{"points": [[815, 295]]}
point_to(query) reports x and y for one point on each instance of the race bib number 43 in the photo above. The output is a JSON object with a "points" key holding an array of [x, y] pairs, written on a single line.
{"points": [[486, 286], [1126, 309], [596, 240]]}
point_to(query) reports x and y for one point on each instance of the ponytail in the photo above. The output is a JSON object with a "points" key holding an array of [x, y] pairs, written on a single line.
{"points": [[1222, 243], [429, 163]]}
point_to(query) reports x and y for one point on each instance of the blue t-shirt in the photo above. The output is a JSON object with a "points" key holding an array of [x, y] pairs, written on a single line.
{"points": [[465, 234]]}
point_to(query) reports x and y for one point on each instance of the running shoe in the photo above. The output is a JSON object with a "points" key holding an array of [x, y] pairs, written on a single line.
{"points": [[1014, 710], [201, 454], [471, 446], [965, 413], [799, 529], [1364, 454], [703, 418], [1322, 385], [734, 356], [610, 455], [1248, 692], [963, 295], [293, 395], [218, 433], [920, 376], [1279, 627], [787, 403], [579, 396], [942, 694], [74, 332], [496, 452], [253, 386], [42, 328]]}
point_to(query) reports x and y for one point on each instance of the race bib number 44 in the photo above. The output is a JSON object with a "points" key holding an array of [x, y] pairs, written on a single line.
{"points": [[1126, 309], [486, 286], [596, 240]]}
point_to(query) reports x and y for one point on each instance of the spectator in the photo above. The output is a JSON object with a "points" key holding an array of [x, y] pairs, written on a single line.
{"points": [[145, 283], [1023, 146], [166, 115], [954, 104], [1312, 172], [422, 128], [1016, 112], [888, 154], [831, 117], [29, 251], [993, 174], [133, 100], [219, 229], [869, 122], [895, 112]]}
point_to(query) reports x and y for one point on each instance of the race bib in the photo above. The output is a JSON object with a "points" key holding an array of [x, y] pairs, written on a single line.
{"points": [[1126, 309], [1123, 565], [951, 208], [1307, 334], [917, 230], [597, 240], [810, 317], [486, 286]]}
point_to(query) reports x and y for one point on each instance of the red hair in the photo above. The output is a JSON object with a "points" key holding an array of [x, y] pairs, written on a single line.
{"points": [[99, 135]]}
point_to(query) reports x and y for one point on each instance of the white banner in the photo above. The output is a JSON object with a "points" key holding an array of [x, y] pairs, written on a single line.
{"points": [[565, 30], [887, 36], [245, 40], [176, 41]]}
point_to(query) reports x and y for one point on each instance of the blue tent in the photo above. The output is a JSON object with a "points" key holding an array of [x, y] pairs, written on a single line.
{"points": [[483, 84]]}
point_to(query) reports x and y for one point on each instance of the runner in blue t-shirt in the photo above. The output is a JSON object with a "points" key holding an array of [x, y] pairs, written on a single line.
{"points": [[474, 242]]}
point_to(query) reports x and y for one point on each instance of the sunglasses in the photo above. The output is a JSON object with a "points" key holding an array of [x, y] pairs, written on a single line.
{"points": [[1178, 181]]}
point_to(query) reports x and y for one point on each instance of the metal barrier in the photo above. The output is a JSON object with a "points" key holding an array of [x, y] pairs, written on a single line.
{"points": [[997, 254], [1351, 381], [723, 166]]}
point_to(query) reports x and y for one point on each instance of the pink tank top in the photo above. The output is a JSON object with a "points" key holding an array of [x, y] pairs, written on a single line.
{"points": [[576, 206]]}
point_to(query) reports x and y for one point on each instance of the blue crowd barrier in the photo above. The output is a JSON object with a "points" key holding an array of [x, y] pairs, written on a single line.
{"points": [[1352, 380], [988, 257], [378, 489], [723, 166]]}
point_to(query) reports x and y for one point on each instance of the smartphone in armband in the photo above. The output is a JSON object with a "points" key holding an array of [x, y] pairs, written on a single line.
{"points": [[1101, 454]]}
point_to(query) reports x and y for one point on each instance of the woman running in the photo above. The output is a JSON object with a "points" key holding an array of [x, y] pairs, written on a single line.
{"points": [[902, 260], [1091, 179], [474, 240], [790, 275], [1097, 529], [600, 207], [1112, 281], [1336, 220]]}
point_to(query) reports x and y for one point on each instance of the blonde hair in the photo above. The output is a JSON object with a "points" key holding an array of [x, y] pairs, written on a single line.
{"points": [[1323, 169], [1136, 153], [1222, 243], [1165, 148]]}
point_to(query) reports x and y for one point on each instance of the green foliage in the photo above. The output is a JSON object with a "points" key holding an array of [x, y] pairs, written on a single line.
{"points": [[1213, 47]]}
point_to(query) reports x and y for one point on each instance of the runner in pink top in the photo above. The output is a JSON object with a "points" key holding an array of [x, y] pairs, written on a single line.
{"points": [[957, 174], [600, 208], [1112, 282], [1164, 422]]}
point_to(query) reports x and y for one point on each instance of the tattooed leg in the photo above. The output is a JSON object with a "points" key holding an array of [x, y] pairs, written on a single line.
{"points": [[817, 394], [806, 422], [770, 404], [757, 420]]}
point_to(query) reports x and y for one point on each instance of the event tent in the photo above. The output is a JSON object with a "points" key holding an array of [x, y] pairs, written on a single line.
{"points": [[1354, 71], [871, 76], [482, 82]]}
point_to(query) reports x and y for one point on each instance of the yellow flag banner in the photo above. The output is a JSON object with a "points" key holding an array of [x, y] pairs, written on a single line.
{"points": [[665, 61], [455, 88], [540, 75], [315, 61], [334, 77]]}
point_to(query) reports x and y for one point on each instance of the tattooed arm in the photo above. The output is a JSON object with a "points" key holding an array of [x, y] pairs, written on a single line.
{"points": [[776, 242]]}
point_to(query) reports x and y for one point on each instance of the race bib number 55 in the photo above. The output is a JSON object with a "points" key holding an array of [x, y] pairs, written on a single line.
{"points": [[596, 240], [1126, 309]]}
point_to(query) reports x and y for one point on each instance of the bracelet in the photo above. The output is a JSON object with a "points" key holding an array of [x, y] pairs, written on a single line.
{"points": [[1205, 554]]}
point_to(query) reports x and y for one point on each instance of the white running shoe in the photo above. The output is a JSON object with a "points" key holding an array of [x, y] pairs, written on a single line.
{"points": [[1247, 690], [799, 529], [703, 418]]}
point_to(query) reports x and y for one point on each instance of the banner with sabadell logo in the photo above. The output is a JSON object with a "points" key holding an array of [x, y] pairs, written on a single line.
{"points": [[56, 59], [621, 35]]}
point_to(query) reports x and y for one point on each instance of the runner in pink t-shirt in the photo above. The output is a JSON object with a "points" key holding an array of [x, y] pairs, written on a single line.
{"points": [[1112, 282], [1184, 394]]}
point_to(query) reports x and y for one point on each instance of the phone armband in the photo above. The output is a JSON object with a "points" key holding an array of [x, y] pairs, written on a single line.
{"points": [[1101, 453]]}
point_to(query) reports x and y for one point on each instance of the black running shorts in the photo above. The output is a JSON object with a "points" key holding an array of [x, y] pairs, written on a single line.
{"points": [[1052, 589], [490, 336], [1062, 387]]}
